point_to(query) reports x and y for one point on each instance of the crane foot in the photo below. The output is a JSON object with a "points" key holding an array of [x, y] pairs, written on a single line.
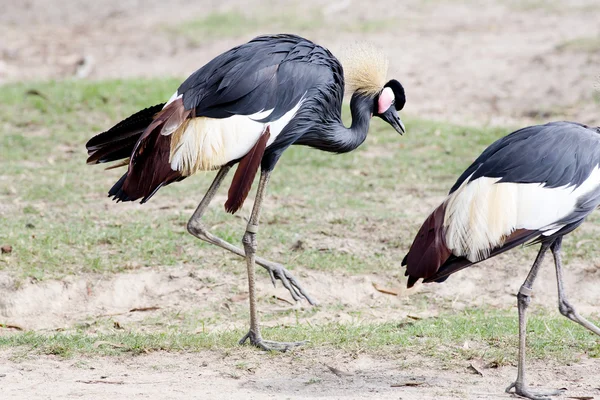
{"points": [[269, 345], [278, 272], [523, 391]]}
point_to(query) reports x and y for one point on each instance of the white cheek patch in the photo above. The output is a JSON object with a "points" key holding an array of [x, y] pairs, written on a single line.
{"points": [[385, 100]]}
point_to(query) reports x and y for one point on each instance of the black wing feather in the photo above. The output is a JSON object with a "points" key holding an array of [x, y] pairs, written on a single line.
{"points": [[269, 72], [555, 154]]}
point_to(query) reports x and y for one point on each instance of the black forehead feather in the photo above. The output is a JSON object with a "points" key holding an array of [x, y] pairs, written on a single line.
{"points": [[399, 94]]}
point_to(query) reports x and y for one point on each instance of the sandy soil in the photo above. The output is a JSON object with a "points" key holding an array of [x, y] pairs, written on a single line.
{"points": [[467, 63], [302, 375], [51, 305]]}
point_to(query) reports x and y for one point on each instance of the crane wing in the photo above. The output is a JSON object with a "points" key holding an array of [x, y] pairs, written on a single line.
{"points": [[555, 154], [267, 73]]}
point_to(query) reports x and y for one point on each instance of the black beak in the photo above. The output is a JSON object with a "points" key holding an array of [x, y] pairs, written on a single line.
{"points": [[392, 118]]}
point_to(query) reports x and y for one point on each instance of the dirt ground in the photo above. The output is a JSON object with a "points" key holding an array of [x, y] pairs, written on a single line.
{"points": [[52, 305], [460, 62], [306, 374]]}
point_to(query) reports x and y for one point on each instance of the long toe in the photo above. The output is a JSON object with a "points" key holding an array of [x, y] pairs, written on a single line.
{"points": [[269, 345], [524, 391]]}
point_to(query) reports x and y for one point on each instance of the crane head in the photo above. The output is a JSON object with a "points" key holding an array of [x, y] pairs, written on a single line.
{"points": [[388, 102]]}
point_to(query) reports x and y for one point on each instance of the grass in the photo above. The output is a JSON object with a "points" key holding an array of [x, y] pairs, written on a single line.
{"points": [[372, 199], [355, 212], [548, 6], [217, 25], [46, 187], [491, 335], [534, 5], [590, 45], [233, 24]]}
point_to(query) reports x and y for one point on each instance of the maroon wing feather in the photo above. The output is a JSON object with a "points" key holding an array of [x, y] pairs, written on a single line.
{"points": [[428, 251], [429, 257], [149, 167], [455, 264], [245, 173]]}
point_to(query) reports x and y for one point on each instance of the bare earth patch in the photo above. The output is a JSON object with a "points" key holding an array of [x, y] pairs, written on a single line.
{"points": [[66, 303], [250, 375]]}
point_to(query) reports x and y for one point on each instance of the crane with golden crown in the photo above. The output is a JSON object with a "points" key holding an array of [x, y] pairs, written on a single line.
{"points": [[245, 107]]}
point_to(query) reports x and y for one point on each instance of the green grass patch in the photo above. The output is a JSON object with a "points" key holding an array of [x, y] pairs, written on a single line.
{"points": [[59, 221], [491, 335], [357, 212], [217, 25], [354, 212], [234, 24], [535, 5], [589, 45]]}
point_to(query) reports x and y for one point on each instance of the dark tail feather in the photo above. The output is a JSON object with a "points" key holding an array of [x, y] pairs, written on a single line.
{"points": [[455, 264], [428, 251], [116, 192], [245, 173], [119, 141]]}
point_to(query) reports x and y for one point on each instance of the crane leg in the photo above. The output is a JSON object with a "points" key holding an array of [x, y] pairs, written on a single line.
{"points": [[524, 297], [249, 241], [564, 306], [276, 271]]}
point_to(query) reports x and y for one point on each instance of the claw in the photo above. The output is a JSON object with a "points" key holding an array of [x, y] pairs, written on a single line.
{"points": [[300, 291], [272, 275]]}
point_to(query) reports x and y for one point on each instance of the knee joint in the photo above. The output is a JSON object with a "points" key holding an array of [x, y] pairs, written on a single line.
{"points": [[249, 241], [524, 299], [195, 227], [524, 295], [565, 308]]}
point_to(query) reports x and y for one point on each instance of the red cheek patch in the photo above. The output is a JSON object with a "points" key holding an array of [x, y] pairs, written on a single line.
{"points": [[385, 100]]}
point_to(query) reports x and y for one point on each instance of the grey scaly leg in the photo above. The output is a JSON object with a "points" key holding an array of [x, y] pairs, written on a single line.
{"points": [[250, 246], [276, 271], [524, 297], [564, 306]]}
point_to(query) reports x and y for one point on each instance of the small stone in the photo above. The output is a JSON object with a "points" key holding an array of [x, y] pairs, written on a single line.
{"points": [[298, 246], [6, 249]]}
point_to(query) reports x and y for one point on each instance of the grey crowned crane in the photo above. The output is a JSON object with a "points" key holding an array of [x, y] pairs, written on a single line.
{"points": [[535, 185], [246, 107]]}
